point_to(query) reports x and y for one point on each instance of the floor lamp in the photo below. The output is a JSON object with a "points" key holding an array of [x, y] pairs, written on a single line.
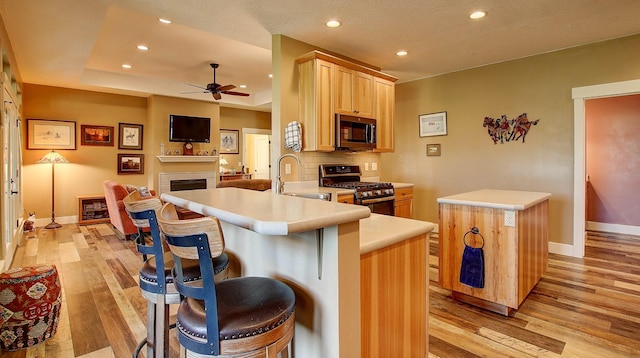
{"points": [[54, 158]]}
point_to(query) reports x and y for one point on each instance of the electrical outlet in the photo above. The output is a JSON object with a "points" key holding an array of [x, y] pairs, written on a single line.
{"points": [[287, 168], [510, 218], [366, 166], [374, 166]]}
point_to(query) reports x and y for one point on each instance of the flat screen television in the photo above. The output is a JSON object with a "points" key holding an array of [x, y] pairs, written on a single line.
{"points": [[189, 129]]}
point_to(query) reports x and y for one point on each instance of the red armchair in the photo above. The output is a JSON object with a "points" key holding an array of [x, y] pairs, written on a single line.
{"points": [[114, 193]]}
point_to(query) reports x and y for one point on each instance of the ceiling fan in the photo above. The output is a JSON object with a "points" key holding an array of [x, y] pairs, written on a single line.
{"points": [[216, 89]]}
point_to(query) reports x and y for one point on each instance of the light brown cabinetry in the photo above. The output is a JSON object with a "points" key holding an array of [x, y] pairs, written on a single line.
{"points": [[403, 204], [384, 106], [316, 114], [353, 92], [328, 85], [515, 254], [92, 209], [394, 300], [346, 198]]}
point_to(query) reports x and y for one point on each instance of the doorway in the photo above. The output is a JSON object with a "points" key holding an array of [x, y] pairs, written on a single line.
{"points": [[580, 95], [256, 152]]}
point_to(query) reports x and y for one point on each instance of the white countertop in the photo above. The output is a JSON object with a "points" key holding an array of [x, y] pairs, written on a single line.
{"points": [[497, 199], [379, 231], [266, 213]]}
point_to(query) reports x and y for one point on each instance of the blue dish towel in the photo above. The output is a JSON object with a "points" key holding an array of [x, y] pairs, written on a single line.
{"points": [[472, 268], [293, 136]]}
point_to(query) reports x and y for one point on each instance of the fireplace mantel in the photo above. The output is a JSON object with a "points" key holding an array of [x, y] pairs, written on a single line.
{"points": [[187, 158]]}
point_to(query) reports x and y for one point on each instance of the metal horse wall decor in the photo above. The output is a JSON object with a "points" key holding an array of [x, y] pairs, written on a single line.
{"points": [[505, 130]]}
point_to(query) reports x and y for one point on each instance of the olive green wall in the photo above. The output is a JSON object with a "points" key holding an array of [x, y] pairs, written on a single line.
{"points": [[540, 86]]}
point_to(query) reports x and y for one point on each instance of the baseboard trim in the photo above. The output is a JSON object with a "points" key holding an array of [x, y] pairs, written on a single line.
{"points": [[613, 228], [59, 219], [561, 249]]}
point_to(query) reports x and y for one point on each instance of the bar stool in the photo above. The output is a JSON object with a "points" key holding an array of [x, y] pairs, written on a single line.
{"points": [[156, 278], [238, 317]]}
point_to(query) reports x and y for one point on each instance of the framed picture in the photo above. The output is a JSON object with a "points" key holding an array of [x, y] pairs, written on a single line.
{"points": [[51, 134], [130, 136], [433, 124], [229, 141], [433, 150], [130, 163], [96, 135]]}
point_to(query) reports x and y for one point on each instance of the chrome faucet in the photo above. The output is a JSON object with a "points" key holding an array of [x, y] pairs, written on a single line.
{"points": [[280, 183]]}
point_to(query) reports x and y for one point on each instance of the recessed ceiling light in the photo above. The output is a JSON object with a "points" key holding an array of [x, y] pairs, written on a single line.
{"points": [[270, 75], [126, 66], [333, 23], [143, 47], [402, 53], [477, 15], [164, 21], [243, 86]]}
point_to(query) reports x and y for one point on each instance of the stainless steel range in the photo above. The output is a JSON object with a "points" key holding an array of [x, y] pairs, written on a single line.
{"points": [[379, 197]]}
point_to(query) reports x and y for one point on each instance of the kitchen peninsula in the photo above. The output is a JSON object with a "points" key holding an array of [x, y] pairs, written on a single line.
{"points": [[315, 246]]}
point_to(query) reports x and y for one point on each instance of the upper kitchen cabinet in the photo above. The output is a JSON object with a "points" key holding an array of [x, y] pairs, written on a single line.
{"points": [[316, 114], [328, 85], [384, 105], [353, 92]]}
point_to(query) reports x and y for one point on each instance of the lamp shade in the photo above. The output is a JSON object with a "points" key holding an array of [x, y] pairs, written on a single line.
{"points": [[52, 157], [223, 162]]}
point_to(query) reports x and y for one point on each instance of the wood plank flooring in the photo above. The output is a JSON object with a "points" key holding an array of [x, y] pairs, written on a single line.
{"points": [[581, 308]]}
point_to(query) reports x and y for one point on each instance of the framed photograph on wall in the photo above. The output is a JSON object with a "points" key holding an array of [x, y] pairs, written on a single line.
{"points": [[130, 136], [51, 134], [229, 141], [96, 135], [130, 163], [433, 124]]}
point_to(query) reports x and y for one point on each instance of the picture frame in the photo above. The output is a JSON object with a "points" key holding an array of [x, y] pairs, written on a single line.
{"points": [[96, 135], [130, 163], [51, 134], [433, 150], [433, 124], [130, 136], [229, 141]]}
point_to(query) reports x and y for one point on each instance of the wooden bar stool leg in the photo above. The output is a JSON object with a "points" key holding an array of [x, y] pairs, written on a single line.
{"points": [[161, 345], [151, 307]]}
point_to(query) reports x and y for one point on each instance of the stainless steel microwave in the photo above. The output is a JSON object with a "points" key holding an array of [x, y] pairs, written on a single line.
{"points": [[355, 133]]}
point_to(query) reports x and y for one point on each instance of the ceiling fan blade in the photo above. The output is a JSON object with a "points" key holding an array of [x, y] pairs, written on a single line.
{"points": [[226, 88], [189, 84], [194, 92], [216, 95], [236, 93]]}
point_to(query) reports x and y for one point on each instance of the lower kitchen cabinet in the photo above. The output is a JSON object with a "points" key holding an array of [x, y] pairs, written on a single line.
{"points": [[404, 203], [345, 198], [92, 209]]}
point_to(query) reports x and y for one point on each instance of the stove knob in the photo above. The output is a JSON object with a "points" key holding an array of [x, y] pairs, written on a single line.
{"points": [[363, 194], [379, 192]]}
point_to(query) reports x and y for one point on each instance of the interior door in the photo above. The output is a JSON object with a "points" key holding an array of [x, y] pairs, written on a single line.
{"points": [[262, 155], [11, 181]]}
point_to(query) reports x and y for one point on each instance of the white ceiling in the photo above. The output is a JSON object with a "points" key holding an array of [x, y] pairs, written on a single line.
{"points": [[82, 44]]}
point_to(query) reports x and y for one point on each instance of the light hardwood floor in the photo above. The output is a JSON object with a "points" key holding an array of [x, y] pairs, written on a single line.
{"points": [[581, 308]]}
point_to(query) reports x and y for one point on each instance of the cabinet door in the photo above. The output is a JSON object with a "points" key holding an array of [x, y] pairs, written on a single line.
{"points": [[316, 113], [346, 198], [384, 106], [404, 203], [344, 102], [363, 95]]}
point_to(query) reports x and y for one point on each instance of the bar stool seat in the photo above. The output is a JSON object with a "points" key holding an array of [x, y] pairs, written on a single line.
{"points": [[240, 317]]}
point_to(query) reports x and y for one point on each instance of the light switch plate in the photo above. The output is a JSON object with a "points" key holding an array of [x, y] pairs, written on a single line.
{"points": [[287, 168], [374, 166], [366, 166], [510, 218]]}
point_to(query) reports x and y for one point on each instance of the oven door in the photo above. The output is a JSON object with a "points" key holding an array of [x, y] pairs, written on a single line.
{"points": [[384, 206]]}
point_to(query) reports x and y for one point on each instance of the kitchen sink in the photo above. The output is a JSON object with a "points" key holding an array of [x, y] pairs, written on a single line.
{"points": [[317, 196]]}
